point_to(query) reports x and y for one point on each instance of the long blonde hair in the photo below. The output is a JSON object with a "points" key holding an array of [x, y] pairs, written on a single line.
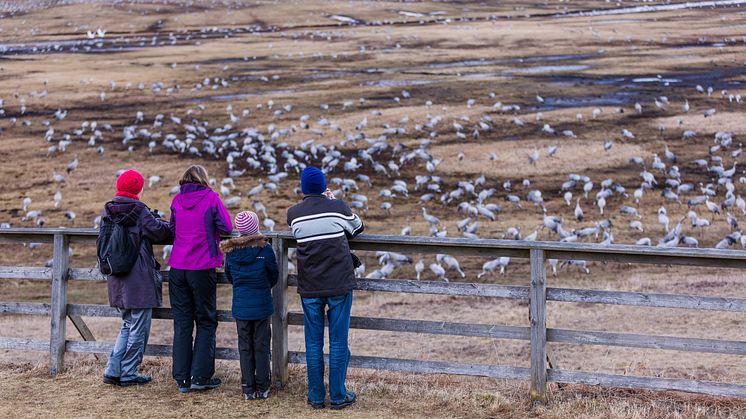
{"points": [[195, 174]]}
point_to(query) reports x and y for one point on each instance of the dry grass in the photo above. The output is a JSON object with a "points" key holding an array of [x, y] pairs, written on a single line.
{"points": [[29, 392], [572, 155], [410, 54]]}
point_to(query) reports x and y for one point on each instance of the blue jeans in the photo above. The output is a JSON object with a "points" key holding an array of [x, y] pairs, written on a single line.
{"points": [[129, 348], [337, 309]]}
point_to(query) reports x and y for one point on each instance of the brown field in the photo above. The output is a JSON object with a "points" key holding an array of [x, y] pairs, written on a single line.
{"points": [[294, 53]]}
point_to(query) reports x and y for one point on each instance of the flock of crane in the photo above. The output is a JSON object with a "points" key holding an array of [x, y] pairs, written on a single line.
{"points": [[392, 164]]}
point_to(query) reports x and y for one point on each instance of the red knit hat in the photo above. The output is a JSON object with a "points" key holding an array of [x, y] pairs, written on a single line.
{"points": [[130, 184]]}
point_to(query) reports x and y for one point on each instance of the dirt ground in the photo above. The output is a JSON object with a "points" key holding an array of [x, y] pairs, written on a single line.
{"points": [[231, 68]]}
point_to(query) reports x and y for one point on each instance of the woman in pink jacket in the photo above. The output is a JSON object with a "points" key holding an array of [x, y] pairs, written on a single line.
{"points": [[198, 218]]}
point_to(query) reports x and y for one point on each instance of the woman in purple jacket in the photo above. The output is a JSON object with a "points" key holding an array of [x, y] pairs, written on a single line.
{"points": [[198, 218]]}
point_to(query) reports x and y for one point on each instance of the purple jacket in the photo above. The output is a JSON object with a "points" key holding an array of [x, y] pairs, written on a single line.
{"points": [[141, 288], [198, 218]]}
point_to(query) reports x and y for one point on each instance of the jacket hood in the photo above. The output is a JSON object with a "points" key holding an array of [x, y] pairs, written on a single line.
{"points": [[192, 194], [124, 211], [257, 241]]}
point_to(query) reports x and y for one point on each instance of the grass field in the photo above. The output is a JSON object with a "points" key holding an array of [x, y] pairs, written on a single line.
{"points": [[230, 68]]}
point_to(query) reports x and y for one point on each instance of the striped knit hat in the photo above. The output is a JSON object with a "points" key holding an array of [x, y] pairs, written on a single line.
{"points": [[247, 223]]}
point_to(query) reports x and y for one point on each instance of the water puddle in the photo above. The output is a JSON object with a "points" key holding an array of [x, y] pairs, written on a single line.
{"points": [[398, 83], [517, 60], [238, 96], [654, 8], [547, 69], [655, 80], [618, 98]]}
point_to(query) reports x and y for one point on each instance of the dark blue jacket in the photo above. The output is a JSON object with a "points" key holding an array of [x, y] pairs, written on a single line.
{"points": [[251, 267]]}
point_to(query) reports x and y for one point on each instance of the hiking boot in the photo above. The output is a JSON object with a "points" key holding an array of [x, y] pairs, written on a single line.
{"points": [[262, 395], [315, 405], [183, 385], [138, 380], [111, 380], [206, 384], [348, 401]]}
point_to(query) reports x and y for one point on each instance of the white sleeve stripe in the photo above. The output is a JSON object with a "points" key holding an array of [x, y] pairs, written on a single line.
{"points": [[322, 215], [314, 238]]}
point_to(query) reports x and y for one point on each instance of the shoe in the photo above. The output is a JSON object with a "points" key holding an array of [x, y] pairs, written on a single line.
{"points": [[262, 395], [316, 406], [183, 385], [138, 380], [111, 380], [206, 385], [249, 396], [348, 401]]}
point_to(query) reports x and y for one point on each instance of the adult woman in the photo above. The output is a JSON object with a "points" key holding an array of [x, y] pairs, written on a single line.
{"points": [[198, 218], [136, 293]]}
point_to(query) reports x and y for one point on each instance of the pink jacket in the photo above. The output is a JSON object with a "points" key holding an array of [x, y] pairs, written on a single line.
{"points": [[198, 218]]}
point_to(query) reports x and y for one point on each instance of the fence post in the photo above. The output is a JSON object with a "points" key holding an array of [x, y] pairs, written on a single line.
{"points": [[60, 265], [537, 317], [280, 317]]}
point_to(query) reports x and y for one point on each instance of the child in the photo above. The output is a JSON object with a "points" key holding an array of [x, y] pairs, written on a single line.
{"points": [[251, 267]]}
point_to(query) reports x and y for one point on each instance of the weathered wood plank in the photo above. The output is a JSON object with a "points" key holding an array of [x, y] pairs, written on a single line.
{"points": [[280, 316], [631, 340], [77, 346], [86, 274], [516, 248], [432, 287], [428, 327], [24, 344], [41, 309], [653, 259], [647, 383], [694, 302], [83, 330], [93, 274], [423, 247], [94, 310], [58, 311], [24, 238], [25, 272], [538, 320], [427, 367]]}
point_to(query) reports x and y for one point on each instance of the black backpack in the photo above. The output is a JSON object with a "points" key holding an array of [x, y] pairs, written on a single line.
{"points": [[116, 250]]}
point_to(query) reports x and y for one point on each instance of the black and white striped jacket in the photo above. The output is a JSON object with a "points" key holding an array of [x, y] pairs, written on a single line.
{"points": [[322, 227]]}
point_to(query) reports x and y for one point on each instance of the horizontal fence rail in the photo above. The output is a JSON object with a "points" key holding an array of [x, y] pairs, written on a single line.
{"points": [[542, 367]]}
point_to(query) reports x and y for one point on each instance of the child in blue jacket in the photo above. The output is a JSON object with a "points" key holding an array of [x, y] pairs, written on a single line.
{"points": [[251, 267]]}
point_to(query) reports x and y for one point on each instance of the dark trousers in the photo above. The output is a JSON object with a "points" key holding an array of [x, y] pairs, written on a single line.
{"points": [[193, 302], [253, 347]]}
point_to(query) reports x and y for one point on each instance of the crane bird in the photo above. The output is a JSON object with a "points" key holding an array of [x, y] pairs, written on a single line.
{"points": [[490, 266], [439, 272], [451, 263], [430, 218], [419, 267]]}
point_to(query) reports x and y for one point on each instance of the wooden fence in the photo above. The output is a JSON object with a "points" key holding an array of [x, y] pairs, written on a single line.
{"points": [[541, 369]]}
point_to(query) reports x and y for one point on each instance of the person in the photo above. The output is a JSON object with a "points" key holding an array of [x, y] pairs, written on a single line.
{"points": [[136, 293], [198, 218], [322, 226], [251, 267]]}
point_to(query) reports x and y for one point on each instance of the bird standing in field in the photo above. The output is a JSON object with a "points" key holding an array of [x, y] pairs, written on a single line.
{"points": [[419, 267], [439, 272]]}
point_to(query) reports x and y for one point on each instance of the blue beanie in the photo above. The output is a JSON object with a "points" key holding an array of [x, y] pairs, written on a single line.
{"points": [[312, 181]]}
